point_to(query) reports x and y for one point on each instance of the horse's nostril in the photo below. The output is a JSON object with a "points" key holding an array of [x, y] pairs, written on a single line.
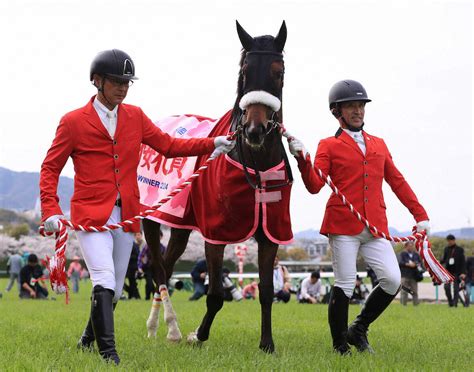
{"points": [[256, 129]]}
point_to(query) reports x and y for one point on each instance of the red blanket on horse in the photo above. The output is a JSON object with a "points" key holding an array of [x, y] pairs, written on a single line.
{"points": [[226, 209]]}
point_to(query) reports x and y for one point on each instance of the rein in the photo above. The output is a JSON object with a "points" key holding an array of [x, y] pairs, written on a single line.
{"points": [[240, 135]]}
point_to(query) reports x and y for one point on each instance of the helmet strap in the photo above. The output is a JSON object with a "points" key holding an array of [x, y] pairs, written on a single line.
{"points": [[351, 127], [101, 90]]}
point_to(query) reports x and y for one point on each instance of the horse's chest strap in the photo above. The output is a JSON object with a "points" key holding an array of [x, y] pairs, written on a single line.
{"points": [[267, 196]]}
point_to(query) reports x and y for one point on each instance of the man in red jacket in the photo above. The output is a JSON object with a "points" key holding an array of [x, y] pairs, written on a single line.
{"points": [[357, 163], [103, 139]]}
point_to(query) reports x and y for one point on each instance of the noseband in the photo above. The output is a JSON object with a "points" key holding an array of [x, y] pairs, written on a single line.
{"points": [[272, 122], [241, 135]]}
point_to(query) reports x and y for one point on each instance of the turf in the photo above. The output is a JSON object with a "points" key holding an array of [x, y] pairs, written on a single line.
{"points": [[42, 335]]}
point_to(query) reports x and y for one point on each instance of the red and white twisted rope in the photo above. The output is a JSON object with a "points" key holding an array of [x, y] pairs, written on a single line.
{"points": [[438, 273], [56, 264]]}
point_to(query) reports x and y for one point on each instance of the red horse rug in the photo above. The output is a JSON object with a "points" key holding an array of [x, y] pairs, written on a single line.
{"points": [[220, 203]]}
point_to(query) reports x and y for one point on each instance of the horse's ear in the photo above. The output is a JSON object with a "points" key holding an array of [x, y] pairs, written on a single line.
{"points": [[280, 39], [245, 38]]}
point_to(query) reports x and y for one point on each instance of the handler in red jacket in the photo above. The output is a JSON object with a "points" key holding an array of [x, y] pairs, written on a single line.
{"points": [[357, 163], [103, 139]]}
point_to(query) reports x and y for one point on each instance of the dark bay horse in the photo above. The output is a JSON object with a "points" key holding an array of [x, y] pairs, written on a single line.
{"points": [[259, 207]]}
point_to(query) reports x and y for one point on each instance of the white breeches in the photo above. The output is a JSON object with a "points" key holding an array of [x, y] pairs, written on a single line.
{"points": [[107, 255], [376, 252]]}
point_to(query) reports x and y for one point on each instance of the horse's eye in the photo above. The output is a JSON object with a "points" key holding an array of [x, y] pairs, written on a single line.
{"points": [[278, 75]]}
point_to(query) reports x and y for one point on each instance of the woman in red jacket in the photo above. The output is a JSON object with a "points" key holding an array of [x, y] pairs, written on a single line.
{"points": [[357, 163], [103, 139]]}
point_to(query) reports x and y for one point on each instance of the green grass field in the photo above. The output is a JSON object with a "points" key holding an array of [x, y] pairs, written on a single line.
{"points": [[42, 335]]}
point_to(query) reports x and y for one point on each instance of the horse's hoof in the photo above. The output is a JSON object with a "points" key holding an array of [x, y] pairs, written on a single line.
{"points": [[193, 340], [151, 332], [151, 328], [174, 336], [267, 348]]}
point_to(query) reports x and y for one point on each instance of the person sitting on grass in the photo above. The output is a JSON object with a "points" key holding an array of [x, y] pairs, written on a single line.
{"points": [[31, 280], [310, 289], [281, 282], [360, 292], [198, 275], [249, 292]]}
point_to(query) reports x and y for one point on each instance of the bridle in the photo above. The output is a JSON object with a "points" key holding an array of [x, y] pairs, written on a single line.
{"points": [[240, 134]]}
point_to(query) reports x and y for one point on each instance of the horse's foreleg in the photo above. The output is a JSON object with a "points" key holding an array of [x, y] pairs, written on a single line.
{"points": [[152, 236], [154, 317], [266, 257], [176, 246], [174, 334], [215, 294]]}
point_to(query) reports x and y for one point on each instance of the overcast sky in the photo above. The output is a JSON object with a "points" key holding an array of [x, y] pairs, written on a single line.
{"points": [[414, 58]]}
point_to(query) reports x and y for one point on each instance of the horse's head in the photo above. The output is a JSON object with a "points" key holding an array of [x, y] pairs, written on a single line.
{"points": [[260, 85]]}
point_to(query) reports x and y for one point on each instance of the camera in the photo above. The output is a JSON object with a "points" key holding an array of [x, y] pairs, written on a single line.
{"points": [[227, 283], [175, 284]]}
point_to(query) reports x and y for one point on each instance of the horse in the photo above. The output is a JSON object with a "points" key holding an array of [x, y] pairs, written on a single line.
{"points": [[256, 172]]}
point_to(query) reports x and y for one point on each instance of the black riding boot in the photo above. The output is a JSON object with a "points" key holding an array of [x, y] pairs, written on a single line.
{"points": [[102, 317], [337, 315], [375, 305], [86, 342]]}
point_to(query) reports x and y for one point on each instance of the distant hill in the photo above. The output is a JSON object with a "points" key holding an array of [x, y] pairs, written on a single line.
{"points": [[20, 190], [462, 233], [307, 234]]}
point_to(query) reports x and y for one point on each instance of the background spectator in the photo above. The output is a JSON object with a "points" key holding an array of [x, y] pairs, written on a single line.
{"points": [[373, 277], [74, 273], [360, 292], [198, 275], [469, 279], [310, 291], [455, 262], [24, 258], [144, 265], [32, 284], [250, 291], [14, 265], [412, 271], [281, 282], [132, 271]]}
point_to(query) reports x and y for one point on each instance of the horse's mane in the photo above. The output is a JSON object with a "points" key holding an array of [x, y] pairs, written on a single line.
{"points": [[236, 111]]}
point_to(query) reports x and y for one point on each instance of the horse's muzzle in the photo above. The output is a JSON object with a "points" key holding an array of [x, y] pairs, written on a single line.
{"points": [[254, 134]]}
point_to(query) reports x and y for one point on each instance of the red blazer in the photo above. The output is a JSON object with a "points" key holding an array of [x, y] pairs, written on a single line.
{"points": [[359, 178], [105, 166]]}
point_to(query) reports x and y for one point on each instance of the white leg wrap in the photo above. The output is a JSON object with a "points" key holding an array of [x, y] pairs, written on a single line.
{"points": [[174, 334], [153, 319], [192, 338]]}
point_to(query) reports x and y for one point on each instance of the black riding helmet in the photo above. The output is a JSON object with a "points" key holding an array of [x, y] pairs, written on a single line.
{"points": [[345, 91], [114, 63]]}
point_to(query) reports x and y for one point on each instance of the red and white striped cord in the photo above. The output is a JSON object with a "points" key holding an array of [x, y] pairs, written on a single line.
{"points": [[56, 264], [438, 273]]}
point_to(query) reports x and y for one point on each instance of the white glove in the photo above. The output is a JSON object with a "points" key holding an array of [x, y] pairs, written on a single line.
{"points": [[296, 146], [52, 223], [223, 146], [424, 225]]}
